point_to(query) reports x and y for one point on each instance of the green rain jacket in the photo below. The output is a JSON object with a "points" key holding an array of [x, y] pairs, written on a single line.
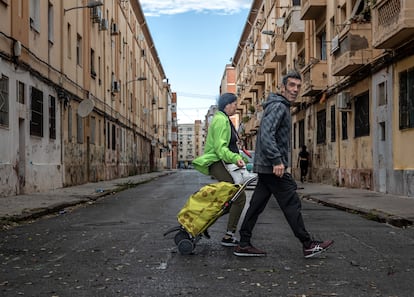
{"points": [[217, 144]]}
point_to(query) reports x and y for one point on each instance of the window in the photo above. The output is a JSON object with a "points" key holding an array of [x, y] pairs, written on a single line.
{"points": [[93, 130], [362, 115], [382, 94], [321, 41], [406, 97], [108, 136], [121, 138], [294, 135], [69, 41], [93, 71], [333, 122], [344, 117], [99, 71], [79, 50], [321, 127], [50, 23], [99, 133], [21, 94], [113, 137], [69, 124], [36, 121], [79, 125], [301, 133], [35, 15], [52, 117], [4, 101], [382, 131]]}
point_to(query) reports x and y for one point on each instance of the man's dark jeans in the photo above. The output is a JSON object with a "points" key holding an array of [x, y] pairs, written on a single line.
{"points": [[284, 189]]}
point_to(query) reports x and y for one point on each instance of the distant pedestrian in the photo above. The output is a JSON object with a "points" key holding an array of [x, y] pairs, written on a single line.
{"points": [[303, 163], [271, 161]]}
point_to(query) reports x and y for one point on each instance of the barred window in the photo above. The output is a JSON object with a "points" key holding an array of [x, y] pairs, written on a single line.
{"points": [[406, 104], [52, 117], [344, 116], [4, 101], [70, 133], [113, 137], [301, 133], [36, 121], [333, 122], [79, 124], [321, 128]]}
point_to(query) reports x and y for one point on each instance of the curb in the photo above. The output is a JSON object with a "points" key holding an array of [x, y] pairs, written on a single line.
{"points": [[369, 214], [35, 213]]}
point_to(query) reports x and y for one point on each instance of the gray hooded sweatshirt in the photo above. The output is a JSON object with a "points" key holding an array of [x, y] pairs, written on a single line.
{"points": [[273, 138]]}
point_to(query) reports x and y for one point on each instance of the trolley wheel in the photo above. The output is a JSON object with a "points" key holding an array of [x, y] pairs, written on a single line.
{"points": [[180, 236], [185, 247]]}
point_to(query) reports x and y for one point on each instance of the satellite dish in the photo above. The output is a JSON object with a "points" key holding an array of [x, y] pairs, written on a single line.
{"points": [[85, 108]]}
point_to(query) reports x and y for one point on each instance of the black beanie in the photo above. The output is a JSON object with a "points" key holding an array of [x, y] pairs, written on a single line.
{"points": [[225, 99]]}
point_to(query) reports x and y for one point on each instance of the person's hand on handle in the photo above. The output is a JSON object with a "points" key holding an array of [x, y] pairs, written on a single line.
{"points": [[240, 163]]}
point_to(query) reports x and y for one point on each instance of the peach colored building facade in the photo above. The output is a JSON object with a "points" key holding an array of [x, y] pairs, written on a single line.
{"points": [[84, 95], [356, 109]]}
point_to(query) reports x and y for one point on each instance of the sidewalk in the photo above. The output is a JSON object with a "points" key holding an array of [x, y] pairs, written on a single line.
{"points": [[395, 210], [391, 209], [31, 206]]}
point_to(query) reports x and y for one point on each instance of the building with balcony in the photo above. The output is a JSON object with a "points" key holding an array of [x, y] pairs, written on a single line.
{"points": [[355, 111], [84, 96]]}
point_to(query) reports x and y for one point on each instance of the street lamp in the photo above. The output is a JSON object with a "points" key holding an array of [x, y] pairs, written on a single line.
{"points": [[91, 4], [137, 79], [147, 111]]}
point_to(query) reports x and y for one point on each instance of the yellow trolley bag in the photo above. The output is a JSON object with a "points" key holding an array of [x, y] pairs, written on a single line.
{"points": [[201, 210], [204, 205]]}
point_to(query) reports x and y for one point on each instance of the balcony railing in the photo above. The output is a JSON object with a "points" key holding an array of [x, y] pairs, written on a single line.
{"points": [[269, 66], [315, 78], [253, 124], [393, 23], [353, 50], [294, 27], [312, 9], [258, 76], [278, 49]]}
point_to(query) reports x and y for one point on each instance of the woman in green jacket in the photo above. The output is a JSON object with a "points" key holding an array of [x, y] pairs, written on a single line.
{"points": [[221, 148]]}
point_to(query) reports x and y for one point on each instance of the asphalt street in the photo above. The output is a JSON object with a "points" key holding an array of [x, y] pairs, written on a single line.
{"points": [[114, 246]]}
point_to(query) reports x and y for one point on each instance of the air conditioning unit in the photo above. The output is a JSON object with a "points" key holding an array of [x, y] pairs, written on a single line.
{"points": [[343, 100], [116, 86], [96, 14], [114, 29], [104, 25]]}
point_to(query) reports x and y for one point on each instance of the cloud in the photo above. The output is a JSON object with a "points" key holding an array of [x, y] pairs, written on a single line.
{"points": [[160, 7]]}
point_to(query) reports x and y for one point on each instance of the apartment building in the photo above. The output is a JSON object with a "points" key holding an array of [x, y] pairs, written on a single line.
{"points": [[356, 108], [186, 145], [83, 95]]}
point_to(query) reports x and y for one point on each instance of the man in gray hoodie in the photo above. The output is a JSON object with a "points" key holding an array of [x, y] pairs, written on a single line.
{"points": [[272, 158]]}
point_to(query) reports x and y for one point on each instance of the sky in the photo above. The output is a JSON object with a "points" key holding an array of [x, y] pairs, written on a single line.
{"points": [[195, 39]]}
